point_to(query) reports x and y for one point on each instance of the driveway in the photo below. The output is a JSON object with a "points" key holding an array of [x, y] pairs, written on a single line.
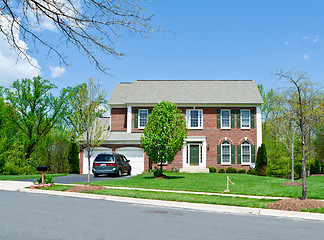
{"points": [[77, 178]]}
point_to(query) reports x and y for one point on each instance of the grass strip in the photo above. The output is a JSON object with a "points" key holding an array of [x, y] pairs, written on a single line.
{"points": [[314, 210], [20, 177], [57, 187], [187, 197]]}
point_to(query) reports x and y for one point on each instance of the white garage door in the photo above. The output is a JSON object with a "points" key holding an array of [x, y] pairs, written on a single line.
{"points": [[94, 155], [135, 156]]}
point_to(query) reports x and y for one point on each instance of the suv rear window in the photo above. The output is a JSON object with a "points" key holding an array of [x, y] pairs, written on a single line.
{"points": [[104, 158]]}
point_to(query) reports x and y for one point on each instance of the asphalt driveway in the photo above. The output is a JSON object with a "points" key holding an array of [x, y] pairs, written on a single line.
{"points": [[77, 178]]}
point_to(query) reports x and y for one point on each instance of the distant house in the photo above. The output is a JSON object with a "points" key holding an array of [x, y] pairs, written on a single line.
{"points": [[223, 118]]}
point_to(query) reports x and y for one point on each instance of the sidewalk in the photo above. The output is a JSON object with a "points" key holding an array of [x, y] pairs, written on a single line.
{"points": [[21, 186]]}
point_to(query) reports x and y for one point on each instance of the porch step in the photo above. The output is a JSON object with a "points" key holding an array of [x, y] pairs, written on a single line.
{"points": [[194, 170]]}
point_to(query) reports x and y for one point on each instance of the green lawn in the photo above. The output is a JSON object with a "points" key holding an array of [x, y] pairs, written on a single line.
{"points": [[20, 177], [179, 197], [186, 197], [202, 182], [314, 210]]}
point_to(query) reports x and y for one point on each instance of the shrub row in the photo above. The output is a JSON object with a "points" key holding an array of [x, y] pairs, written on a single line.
{"points": [[228, 170]]}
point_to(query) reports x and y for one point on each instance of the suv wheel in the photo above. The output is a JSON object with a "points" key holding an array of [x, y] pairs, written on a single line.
{"points": [[96, 175], [119, 172]]}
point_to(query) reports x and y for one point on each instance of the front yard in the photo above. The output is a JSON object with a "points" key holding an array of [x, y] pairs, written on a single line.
{"points": [[216, 183]]}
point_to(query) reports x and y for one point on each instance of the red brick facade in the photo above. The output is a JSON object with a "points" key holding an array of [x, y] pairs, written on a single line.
{"points": [[214, 135]]}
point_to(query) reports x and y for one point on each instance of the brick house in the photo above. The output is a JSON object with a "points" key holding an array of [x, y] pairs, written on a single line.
{"points": [[223, 118]]}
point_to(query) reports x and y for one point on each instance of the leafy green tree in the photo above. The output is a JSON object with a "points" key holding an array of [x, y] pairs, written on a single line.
{"points": [[37, 110], [53, 151], [305, 107], [86, 101], [73, 156], [318, 142], [261, 161], [164, 133]]}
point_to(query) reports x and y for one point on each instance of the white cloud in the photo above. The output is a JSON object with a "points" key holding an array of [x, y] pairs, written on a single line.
{"points": [[286, 43], [44, 22], [57, 71], [306, 57], [316, 39], [305, 38], [12, 66]]}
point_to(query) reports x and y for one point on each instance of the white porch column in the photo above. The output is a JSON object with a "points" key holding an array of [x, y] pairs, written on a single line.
{"points": [[259, 126], [129, 119]]}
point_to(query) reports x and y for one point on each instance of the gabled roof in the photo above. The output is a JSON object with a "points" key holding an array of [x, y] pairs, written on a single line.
{"points": [[186, 92]]}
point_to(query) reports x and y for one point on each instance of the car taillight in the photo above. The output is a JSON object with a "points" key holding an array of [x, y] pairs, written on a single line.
{"points": [[111, 164], [96, 164]]}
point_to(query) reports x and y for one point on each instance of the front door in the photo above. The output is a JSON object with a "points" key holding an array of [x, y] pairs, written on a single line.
{"points": [[194, 155]]}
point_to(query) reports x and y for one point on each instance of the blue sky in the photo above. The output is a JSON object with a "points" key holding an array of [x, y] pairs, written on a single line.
{"points": [[205, 40]]}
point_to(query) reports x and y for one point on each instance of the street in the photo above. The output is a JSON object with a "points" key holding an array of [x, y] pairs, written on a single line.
{"points": [[37, 216]]}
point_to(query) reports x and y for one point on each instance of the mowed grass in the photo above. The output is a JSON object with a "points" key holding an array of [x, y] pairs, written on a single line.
{"points": [[314, 210], [20, 177], [208, 182], [186, 197], [179, 197]]}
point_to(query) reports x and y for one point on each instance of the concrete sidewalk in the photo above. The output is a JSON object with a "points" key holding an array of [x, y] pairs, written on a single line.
{"points": [[14, 185], [21, 186]]}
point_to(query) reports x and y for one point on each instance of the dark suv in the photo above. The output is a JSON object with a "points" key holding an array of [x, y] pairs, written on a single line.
{"points": [[111, 163]]}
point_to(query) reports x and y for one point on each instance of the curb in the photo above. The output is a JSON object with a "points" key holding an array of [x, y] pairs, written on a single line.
{"points": [[186, 205]]}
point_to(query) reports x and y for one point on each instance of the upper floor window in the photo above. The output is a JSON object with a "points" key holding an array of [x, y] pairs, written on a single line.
{"points": [[195, 118], [142, 117], [246, 152], [225, 118], [245, 118], [226, 152]]}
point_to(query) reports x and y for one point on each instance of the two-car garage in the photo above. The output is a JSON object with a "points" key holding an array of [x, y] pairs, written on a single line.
{"points": [[134, 154]]}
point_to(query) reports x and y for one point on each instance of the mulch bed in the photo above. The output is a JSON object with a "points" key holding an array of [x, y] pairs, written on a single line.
{"points": [[79, 189], [291, 183], [296, 204]]}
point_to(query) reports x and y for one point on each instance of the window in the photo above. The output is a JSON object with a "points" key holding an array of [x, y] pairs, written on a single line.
{"points": [[245, 118], [142, 117], [246, 152], [226, 118], [195, 118], [226, 152]]}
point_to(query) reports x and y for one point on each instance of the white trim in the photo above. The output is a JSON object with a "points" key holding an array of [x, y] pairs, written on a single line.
{"points": [[249, 127], [259, 126], [230, 153], [200, 140], [141, 127], [200, 118], [246, 163], [221, 119], [129, 119]]}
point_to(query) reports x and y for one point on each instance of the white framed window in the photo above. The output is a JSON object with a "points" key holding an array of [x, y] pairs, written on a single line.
{"points": [[195, 118], [245, 119], [142, 117], [226, 153], [246, 153], [225, 119]]}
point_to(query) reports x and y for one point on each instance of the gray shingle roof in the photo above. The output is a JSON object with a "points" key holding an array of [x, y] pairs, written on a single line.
{"points": [[187, 91]]}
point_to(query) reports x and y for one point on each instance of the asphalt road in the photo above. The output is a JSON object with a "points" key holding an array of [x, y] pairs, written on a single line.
{"points": [[37, 216], [77, 178]]}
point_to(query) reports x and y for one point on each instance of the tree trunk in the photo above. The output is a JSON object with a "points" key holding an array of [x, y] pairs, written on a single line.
{"points": [[161, 166], [88, 149], [292, 161], [304, 183]]}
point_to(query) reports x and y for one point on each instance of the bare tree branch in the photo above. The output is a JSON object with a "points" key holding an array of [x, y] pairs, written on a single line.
{"points": [[89, 25]]}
